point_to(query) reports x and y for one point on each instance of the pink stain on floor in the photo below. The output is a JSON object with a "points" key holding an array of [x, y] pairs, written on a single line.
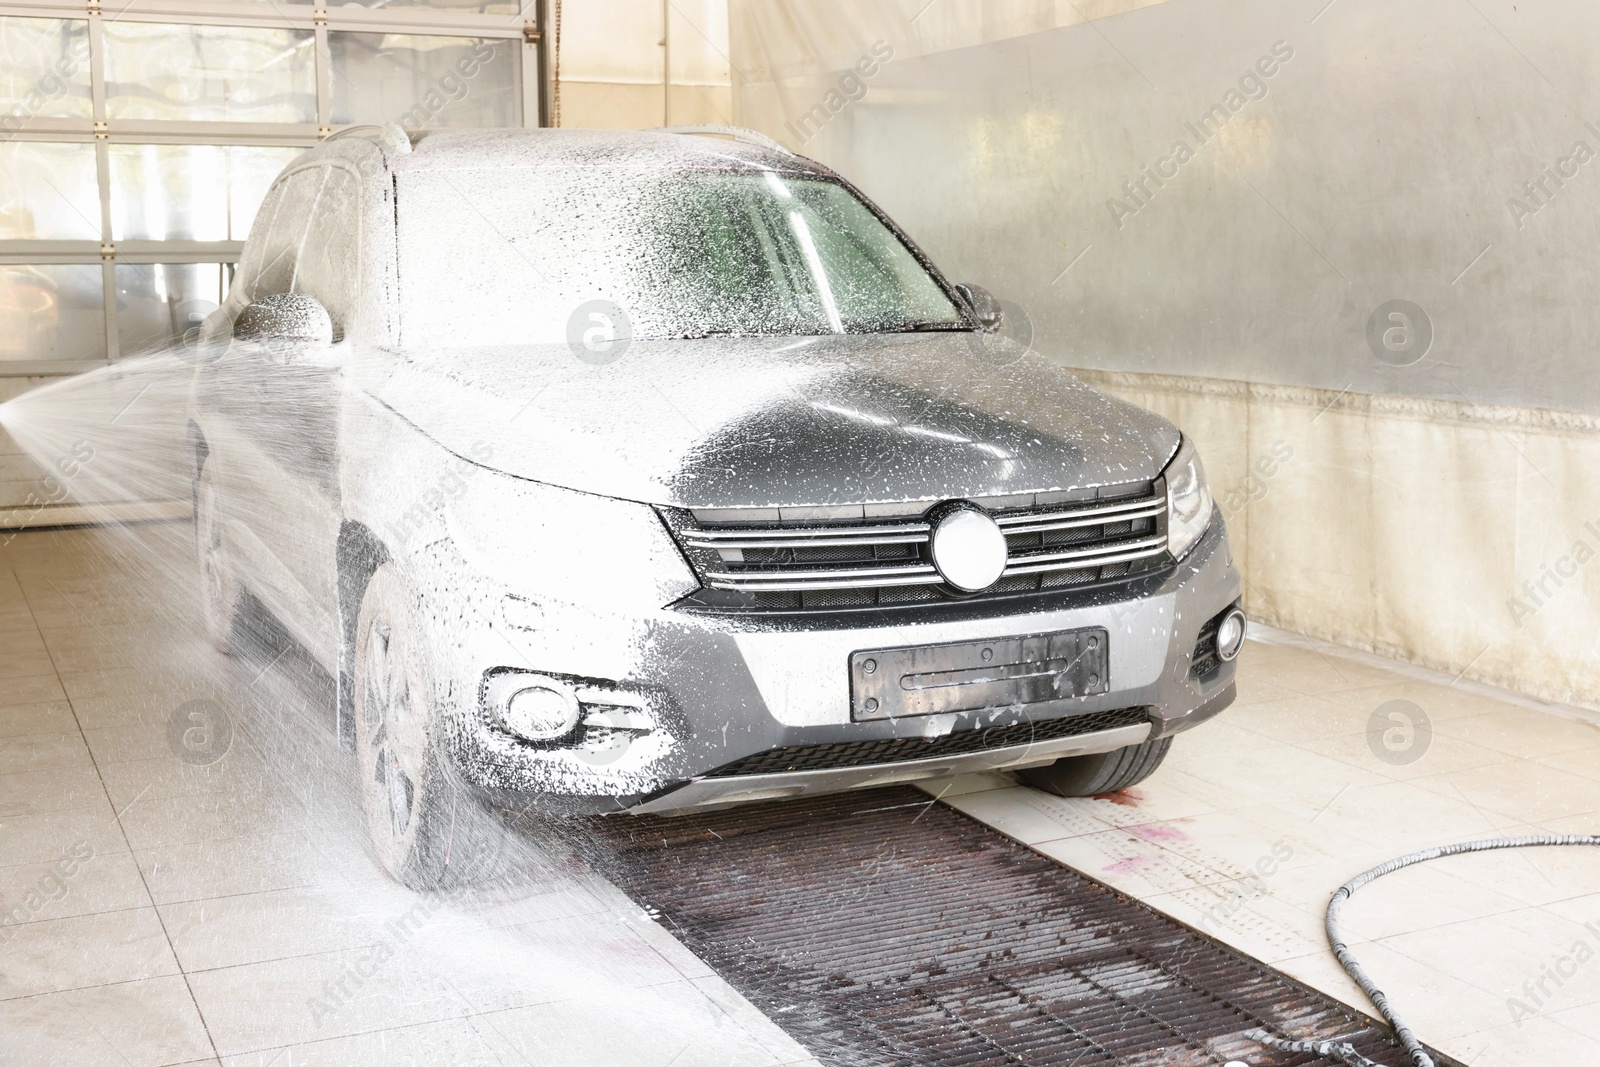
{"points": [[1156, 831], [1128, 798], [1129, 865]]}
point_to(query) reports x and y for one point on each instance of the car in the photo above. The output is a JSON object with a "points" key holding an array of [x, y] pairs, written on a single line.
{"points": [[652, 472]]}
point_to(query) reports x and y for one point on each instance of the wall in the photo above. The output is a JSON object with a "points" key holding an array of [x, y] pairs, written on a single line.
{"points": [[1393, 153], [1456, 536]]}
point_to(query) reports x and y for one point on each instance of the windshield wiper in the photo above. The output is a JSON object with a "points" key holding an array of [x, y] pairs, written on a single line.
{"points": [[695, 333], [926, 327]]}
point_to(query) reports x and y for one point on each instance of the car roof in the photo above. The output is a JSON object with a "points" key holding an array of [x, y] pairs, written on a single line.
{"points": [[481, 149]]}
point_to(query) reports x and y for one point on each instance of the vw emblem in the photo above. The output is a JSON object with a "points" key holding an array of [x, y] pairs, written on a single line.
{"points": [[968, 548]]}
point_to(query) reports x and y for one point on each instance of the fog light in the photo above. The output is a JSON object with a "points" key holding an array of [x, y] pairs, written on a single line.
{"points": [[532, 706], [1230, 634]]}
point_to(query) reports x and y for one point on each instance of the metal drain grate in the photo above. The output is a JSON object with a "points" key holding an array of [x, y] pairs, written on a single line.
{"points": [[879, 928]]}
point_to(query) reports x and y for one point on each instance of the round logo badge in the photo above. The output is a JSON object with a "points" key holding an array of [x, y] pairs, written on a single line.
{"points": [[969, 549]]}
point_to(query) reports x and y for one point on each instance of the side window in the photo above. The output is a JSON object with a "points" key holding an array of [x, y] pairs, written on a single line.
{"points": [[271, 269], [328, 265]]}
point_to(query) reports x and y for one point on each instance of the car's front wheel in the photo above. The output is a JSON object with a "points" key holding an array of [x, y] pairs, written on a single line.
{"points": [[1104, 772], [412, 807]]}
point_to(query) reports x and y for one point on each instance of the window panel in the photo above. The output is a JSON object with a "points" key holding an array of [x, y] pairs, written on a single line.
{"points": [[425, 82], [269, 268], [52, 312], [49, 192], [210, 73], [44, 70], [328, 267], [158, 303], [190, 192]]}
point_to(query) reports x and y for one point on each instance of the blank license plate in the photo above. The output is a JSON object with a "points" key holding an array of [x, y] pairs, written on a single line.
{"points": [[973, 675]]}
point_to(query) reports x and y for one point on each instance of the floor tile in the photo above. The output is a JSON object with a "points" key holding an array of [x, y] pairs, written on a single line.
{"points": [[457, 1042], [46, 837], [1132, 864], [148, 1023], [1523, 732], [51, 717], [197, 870], [33, 689], [78, 882], [83, 951], [44, 791], [1522, 789], [1438, 754]]}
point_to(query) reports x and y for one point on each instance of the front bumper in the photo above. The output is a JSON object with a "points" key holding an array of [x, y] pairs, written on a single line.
{"points": [[714, 791], [674, 697]]}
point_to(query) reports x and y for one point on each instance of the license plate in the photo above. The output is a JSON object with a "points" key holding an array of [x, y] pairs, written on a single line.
{"points": [[887, 683]]}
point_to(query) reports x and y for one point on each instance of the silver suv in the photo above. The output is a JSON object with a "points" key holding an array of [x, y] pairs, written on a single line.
{"points": [[655, 471]]}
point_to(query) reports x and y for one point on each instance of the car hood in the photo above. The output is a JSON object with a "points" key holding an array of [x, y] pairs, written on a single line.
{"points": [[770, 422]]}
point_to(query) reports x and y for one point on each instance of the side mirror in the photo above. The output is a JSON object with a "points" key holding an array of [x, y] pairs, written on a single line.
{"points": [[285, 319], [985, 308]]}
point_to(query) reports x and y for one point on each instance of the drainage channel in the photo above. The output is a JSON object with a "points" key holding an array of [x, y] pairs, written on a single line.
{"points": [[879, 928]]}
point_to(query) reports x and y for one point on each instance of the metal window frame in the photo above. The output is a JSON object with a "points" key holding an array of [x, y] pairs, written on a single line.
{"points": [[526, 23]]}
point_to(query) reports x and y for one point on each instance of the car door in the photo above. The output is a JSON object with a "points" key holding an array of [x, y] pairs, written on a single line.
{"points": [[305, 396], [272, 441]]}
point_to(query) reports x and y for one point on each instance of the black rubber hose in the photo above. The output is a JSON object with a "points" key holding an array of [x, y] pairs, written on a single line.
{"points": [[1417, 1055]]}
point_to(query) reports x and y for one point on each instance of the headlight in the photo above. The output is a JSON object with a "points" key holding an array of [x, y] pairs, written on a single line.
{"points": [[1188, 500], [580, 549]]}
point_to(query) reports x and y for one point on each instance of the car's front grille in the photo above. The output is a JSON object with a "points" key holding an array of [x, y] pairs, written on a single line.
{"points": [[846, 754], [862, 557]]}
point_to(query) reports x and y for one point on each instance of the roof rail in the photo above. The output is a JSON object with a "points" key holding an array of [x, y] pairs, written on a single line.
{"points": [[737, 133]]}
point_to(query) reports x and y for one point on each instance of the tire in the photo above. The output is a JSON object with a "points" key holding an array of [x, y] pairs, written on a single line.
{"points": [[1104, 772], [425, 831], [223, 596]]}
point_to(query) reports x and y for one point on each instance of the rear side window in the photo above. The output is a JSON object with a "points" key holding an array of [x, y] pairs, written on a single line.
{"points": [[328, 264], [270, 262]]}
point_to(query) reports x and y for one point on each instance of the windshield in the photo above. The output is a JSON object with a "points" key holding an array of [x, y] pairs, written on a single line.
{"points": [[518, 256]]}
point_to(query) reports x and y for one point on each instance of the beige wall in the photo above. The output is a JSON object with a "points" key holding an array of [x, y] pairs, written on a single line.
{"points": [[612, 56], [1380, 152], [1417, 529]]}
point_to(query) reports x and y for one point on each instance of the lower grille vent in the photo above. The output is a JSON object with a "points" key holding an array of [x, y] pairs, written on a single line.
{"points": [[1205, 659], [904, 749]]}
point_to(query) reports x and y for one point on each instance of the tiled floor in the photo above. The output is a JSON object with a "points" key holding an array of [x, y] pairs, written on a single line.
{"points": [[164, 911], [1289, 782]]}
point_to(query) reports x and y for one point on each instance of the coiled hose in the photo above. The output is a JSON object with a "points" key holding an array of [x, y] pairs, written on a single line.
{"points": [[1342, 1050]]}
